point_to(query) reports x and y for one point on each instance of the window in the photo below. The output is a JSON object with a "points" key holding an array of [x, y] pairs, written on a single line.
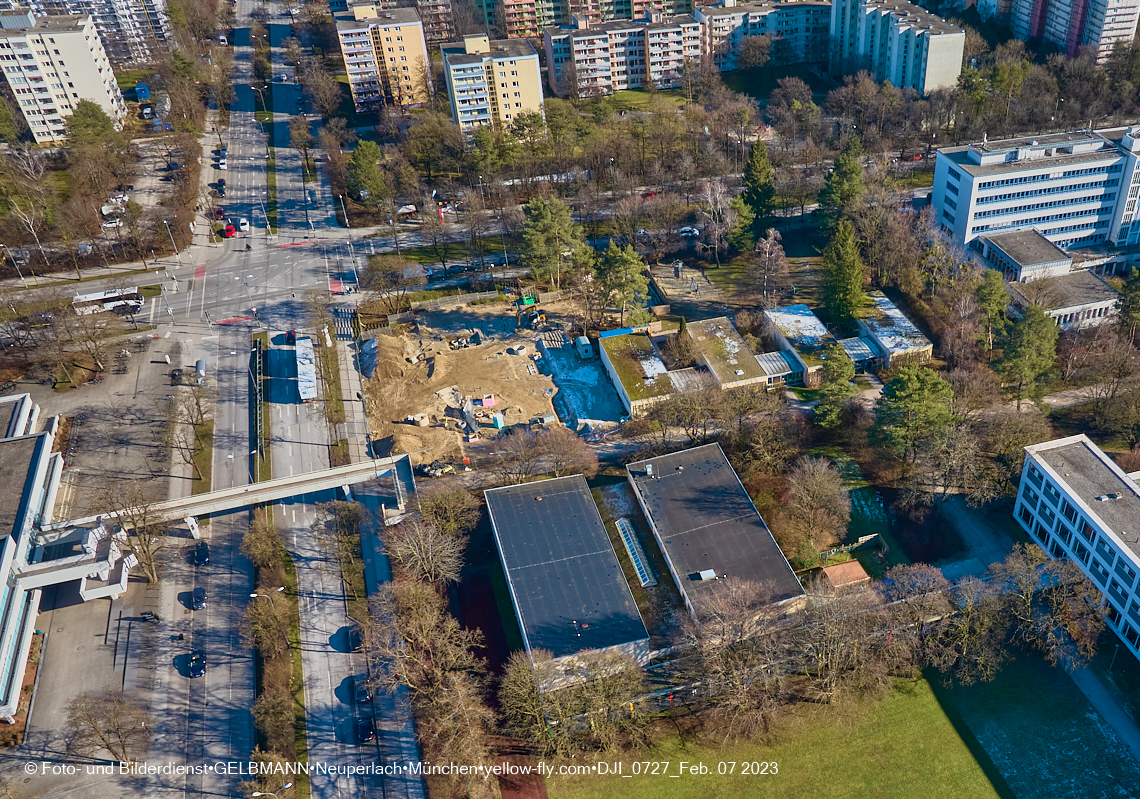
{"points": [[1046, 513], [1099, 572], [1087, 532], [1065, 534], [1040, 533], [1081, 551], [1052, 494], [954, 173], [1034, 475], [1131, 636], [1125, 572], [1069, 512], [1105, 550]]}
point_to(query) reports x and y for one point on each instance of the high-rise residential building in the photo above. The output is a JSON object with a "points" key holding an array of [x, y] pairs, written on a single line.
{"points": [[1074, 189], [434, 14], [1078, 504], [385, 56], [1073, 24], [528, 18], [491, 82], [132, 31], [896, 41], [585, 59], [50, 64], [797, 28]]}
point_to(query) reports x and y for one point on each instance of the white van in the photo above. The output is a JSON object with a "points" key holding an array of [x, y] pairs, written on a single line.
{"points": [[222, 40]]}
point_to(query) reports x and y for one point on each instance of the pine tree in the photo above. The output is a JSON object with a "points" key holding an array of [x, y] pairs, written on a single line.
{"points": [[836, 386], [759, 182], [993, 299], [1128, 305], [843, 276], [741, 236], [843, 184], [1030, 348]]}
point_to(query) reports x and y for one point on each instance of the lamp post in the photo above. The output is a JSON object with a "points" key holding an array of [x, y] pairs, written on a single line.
{"points": [[267, 793], [345, 209], [254, 595], [177, 254]]}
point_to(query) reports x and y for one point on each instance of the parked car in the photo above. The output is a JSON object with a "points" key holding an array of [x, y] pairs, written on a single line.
{"points": [[290, 336], [221, 183], [221, 191], [201, 553], [198, 664], [362, 693], [243, 224], [175, 377], [688, 232], [219, 214], [223, 165], [365, 732], [222, 40], [198, 598], [229, 232], [355, 639], [648, 195]]}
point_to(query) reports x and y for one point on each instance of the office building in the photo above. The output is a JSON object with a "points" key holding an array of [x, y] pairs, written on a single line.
{"points": [[897, 42], [50, 64], [491, 82], [1074, 24], [385, 56], [132, 31], [798, 29], [566, 584], [584, 59], [1075, 189], [435, 15], [1077, 503]]}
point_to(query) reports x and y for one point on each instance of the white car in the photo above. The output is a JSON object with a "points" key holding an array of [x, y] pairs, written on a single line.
{"points": [[111, 224], [243, 224], [223, 165], [119, 198]]}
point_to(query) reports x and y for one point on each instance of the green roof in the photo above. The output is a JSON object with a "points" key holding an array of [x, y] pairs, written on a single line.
{"points": [[724, 350], [641, 371]]}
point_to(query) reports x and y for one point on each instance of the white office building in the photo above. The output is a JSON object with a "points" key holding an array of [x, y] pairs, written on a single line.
{"points": [[50, 64], [132, 31], [1077, 503], [1075, 189], [897, 42]]}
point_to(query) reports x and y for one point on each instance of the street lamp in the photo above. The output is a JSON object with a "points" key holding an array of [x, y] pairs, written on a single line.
{"points": [[345, 209], [176, 253], [267, 793], [254, 595]]}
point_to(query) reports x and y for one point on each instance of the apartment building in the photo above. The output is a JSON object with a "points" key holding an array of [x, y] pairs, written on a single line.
{"points": [[1074, 24], [435, 15], [800, 26], [584, 59], [491, 82], [528, 18], [50, 64], [385, 56], [132, 31], [1077, 503], [1075, 189], [897, 42]]}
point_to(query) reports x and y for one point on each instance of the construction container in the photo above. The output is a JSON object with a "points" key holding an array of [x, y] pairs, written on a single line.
{"points": [[498, 421], [584, 348]]}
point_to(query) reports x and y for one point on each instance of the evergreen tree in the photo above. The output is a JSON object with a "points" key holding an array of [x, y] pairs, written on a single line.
{"points": [[843, 184], [759, 182], [914, 406], [843, 276], [836, 387], [1128, 305], [1030, 348], [366, 182], [993, 299], [549, 237], [741, 236], [622, 272]]}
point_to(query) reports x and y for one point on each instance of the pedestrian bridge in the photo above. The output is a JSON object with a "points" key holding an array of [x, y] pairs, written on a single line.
{"points": [[399, 467]]}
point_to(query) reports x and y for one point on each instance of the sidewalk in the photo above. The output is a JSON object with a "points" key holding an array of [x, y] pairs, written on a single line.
{"points": [[355, 427]]}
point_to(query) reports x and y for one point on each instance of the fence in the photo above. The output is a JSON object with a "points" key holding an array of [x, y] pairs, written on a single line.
{"points": [[454, 299], [550, 296]]}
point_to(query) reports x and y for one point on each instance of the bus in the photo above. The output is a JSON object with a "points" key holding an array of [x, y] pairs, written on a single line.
{"points": [[125, 302], [306, 369]]}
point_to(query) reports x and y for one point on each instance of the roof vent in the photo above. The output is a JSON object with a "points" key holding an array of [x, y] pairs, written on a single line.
{"points": [[649, 470], [707, 574], [1108, 497]]}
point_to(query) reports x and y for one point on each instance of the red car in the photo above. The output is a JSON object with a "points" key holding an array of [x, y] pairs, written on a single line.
{"points": [[219, 214], [229, 232], [649, 195]]}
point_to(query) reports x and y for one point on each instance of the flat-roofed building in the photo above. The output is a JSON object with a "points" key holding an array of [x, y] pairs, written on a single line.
{"points": [[385, 56], [1076, 300], [1077, 503], [565, 581], [132, 31], [863, 352], [780, 367], [722, 351], [1022, 255], [797, 28], [899, 339], [53, 62], [707, 527], [799, 331], [491, 82]]}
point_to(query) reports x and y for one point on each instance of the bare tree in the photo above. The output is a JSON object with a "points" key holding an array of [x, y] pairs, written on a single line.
{"points": [[564, 453], [425, 552], [130, 503], [451, 509], [769, 263], [969, 645], [517, 457], [718, 215], [265, 625], [389, 278], [108, 721], [454, 723], [262, 543], [818, 504]]}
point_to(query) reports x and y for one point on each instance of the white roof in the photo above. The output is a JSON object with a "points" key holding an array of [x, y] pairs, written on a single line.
{"points": [[799, 325], [891, 328]]}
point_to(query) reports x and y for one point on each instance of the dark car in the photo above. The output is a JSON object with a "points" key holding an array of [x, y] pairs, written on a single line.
{"points": [[219, 214], [291, 337], [363, 693], [221, 191], [175, 377], [201, 553], [229, 232], [198, 599], [198, 664], [221, 183], [355, 639], [365, 732]]}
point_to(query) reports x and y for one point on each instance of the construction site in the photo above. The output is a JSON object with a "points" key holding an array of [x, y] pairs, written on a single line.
{"points": [[430, 383]]}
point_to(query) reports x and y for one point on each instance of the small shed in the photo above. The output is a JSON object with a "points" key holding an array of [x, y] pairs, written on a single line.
{"points": [[847, 576], [584, 348]]}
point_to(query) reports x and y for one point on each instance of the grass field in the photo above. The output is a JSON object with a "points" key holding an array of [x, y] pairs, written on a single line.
{"points": [[637, 99], [802, 245], [900, 747]]}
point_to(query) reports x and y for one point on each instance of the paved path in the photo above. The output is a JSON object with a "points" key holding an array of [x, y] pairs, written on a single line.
{"points": [[1109, 709]]}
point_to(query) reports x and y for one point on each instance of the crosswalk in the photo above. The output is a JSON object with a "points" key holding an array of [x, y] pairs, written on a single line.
{"points": [[343, 317]]}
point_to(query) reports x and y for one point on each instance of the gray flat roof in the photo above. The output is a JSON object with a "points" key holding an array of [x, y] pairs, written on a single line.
{"points": [[568, 587], [1088, 473], [914, 16], [860, 348], [1027, 247], [763, 8], [600, 29], [16, 456], [393, 16], [456, 52], [778, 363], [891, 327], [959, 157], [705, 520], [1072, 290], [60, 22]]}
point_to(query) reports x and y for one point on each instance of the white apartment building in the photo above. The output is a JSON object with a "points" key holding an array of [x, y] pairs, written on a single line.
{"points": [[897, 42], [1075, 189], [50, 64], [799, 25], [132, 31], [1073, 24], [385, 56], [586, 59], [491, 82], [1077, 503]]}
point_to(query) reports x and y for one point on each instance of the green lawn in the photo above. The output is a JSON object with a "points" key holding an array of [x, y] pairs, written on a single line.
{"points": [[916, 179], [492, 246], [901, 747], [204, 457], [637, 99]]}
